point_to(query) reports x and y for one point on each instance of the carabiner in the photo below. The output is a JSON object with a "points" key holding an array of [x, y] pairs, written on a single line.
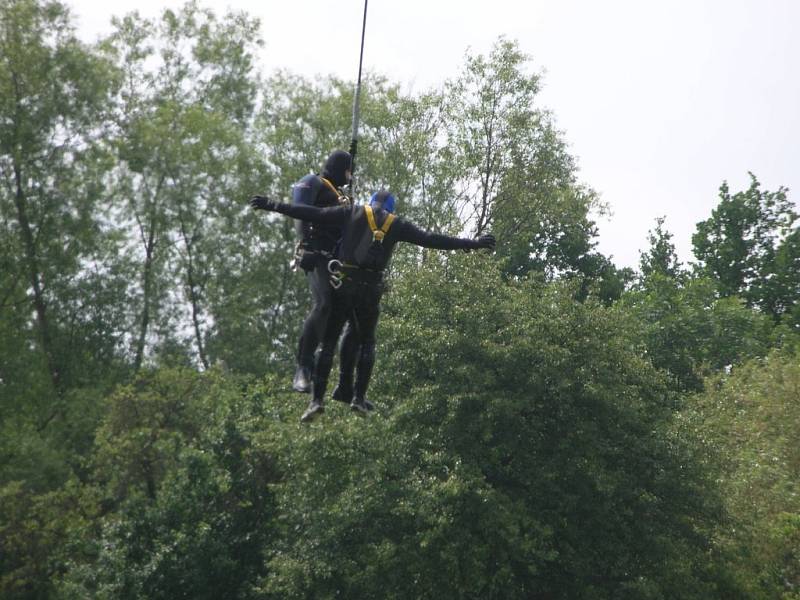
{"points": [[336, 273], [335, 270]]}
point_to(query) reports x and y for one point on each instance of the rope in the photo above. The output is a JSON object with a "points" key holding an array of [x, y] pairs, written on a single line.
{"points": [[357, 103]]}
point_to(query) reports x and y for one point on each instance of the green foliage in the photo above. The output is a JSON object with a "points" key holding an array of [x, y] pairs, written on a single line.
{"points": [[511, 170], [751, 419], [183, 492], [523, 448], [737, 245], [53, 94], [58, 305], [661, 257], [184, 159], [784, 281], [690, 328], [524, 445], [691, 332], [523, 452], [33, 528]]}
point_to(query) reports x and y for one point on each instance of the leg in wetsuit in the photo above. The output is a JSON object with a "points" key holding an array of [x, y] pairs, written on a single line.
{"points": [[339, 308], [367, 311], [314, 325], [348, 354], [362, 302]]}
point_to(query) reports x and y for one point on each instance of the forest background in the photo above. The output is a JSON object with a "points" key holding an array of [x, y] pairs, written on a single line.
{"points": [[548, 426]]}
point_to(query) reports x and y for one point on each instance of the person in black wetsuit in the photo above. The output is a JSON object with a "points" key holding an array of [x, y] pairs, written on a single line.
{"points": [[317, 243], [370, 235]]}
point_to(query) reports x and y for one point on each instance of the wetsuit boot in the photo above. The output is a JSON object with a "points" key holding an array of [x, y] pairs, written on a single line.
{"points": [[302, 379], [322, 369], [343, 392], [315, 407]]}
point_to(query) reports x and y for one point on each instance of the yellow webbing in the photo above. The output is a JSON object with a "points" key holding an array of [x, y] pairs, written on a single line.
{"points": [[342, 199], [378, 234], [330, 185]]}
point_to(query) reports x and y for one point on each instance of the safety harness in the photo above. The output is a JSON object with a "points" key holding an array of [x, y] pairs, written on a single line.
{"points": [[341, 271], [342, 198], [378, 234], [305, 257]]}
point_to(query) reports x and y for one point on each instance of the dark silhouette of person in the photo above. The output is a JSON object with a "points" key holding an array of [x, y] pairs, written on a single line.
{"points": [[370, 235], [315, 249]]}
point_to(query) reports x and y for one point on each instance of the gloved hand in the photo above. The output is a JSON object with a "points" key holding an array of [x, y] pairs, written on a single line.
{"points": [[262, 203], [485, 241], [353, 147]]}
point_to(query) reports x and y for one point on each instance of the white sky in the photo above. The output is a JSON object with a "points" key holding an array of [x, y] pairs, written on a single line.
{"points": [[659, 101]]}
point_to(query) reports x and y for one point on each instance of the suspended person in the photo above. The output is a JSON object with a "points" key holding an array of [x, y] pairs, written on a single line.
{"points": [[370, 235], [314, 250]]}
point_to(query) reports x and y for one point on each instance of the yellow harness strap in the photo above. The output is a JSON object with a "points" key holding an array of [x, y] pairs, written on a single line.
{"points": [[330, 185], [342, 199], [378, 234]]}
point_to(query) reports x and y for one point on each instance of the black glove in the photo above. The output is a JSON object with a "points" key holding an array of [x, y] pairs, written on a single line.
{"points": [[353, 147], [485, 241], [262, 203]]}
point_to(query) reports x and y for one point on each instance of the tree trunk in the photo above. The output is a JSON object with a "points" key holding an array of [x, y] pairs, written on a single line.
{"points": [[193, 295], [150, 240], [147, 277], [35, 280]]}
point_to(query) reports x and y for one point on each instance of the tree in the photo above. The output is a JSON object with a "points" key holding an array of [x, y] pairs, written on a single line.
{"points": [[58, 340], [737, 245], [523, 451], [511, 169], [783, 280], [690, 332], [661, 258], [748, 421], [182, 495], [188, 76], [53, 94]]}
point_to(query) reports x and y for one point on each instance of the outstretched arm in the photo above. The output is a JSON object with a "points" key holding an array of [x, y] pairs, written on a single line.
{"points": [[408, 232], [334, 215]]}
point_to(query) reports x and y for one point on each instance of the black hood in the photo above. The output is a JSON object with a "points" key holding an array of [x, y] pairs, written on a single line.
{"points": [[337, 163]]}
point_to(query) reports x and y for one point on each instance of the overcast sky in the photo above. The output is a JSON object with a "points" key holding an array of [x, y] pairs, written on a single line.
{"points": [[659, 101]]}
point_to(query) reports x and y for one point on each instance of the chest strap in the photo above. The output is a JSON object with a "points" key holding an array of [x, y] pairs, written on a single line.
{"points": [[378, 234]]}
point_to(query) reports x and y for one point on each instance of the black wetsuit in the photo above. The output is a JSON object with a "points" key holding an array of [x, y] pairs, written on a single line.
{"points": [[319, 239], [360, 294]]}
